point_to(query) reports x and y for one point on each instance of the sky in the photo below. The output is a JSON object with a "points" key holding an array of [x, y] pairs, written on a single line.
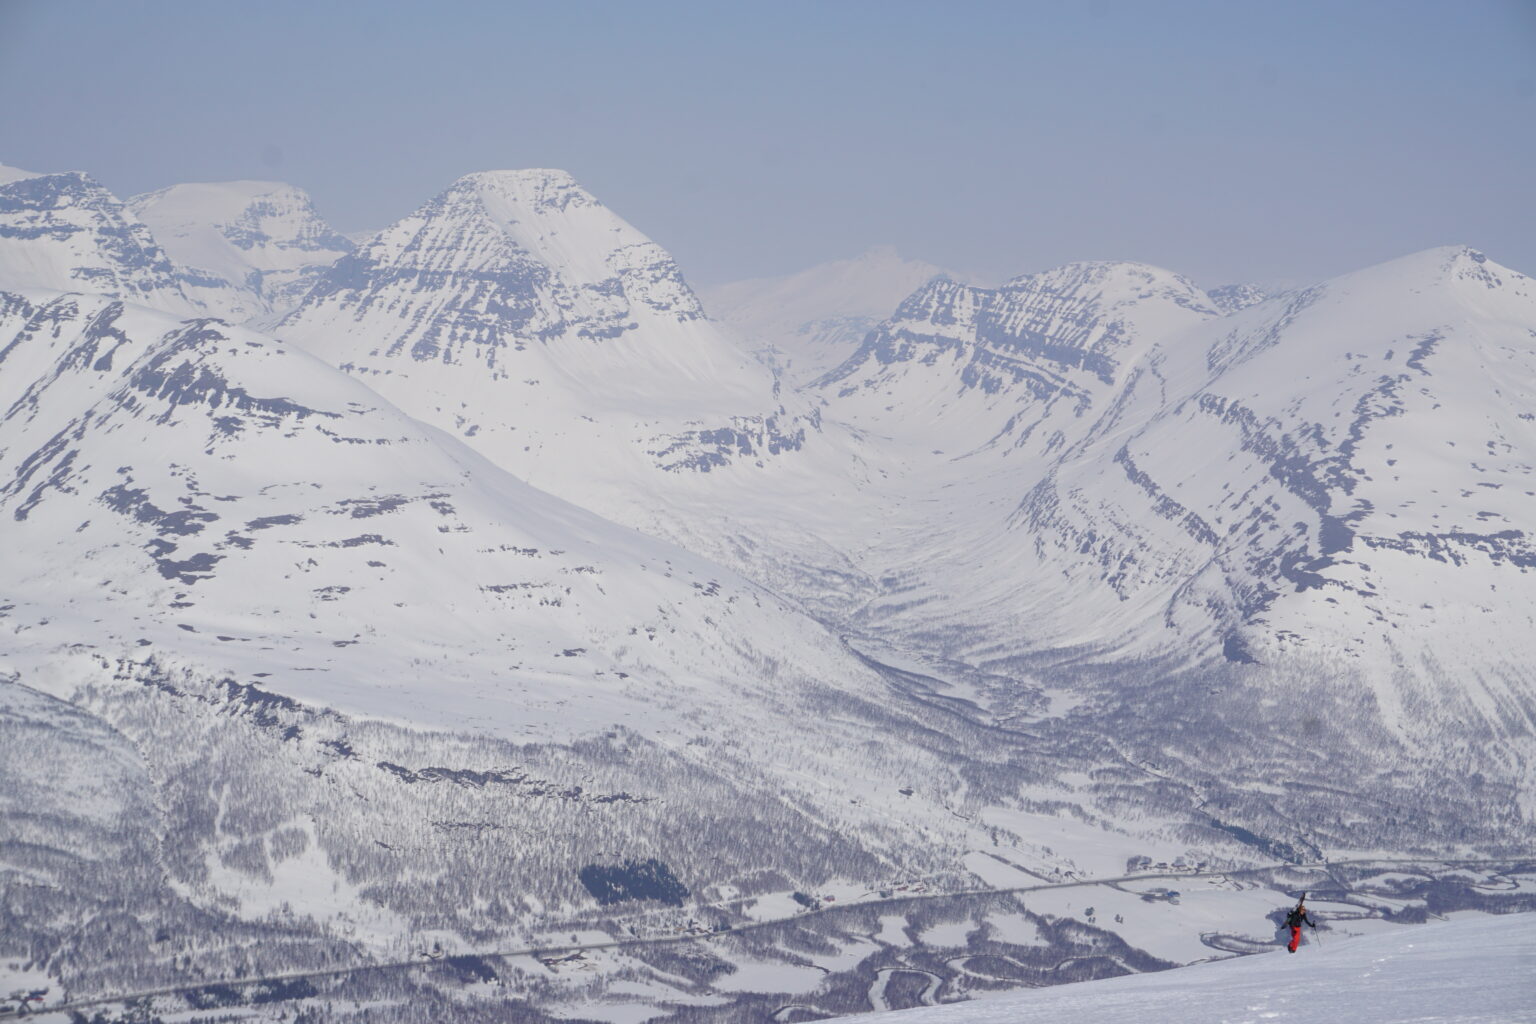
{"points": [[1231, 141]]}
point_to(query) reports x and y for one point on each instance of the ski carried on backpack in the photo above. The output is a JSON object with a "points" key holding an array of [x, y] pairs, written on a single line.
{"points": [[1295, 919]]}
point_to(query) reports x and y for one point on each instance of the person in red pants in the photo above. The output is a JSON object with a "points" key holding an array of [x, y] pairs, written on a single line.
{"points": [[1295, 919]]}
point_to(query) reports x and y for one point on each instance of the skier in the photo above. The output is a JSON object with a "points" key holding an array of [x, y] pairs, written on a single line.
{"points": [[1295, 919]]}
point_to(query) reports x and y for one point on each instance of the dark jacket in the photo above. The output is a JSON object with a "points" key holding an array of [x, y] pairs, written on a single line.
{"points": [[1298, 917]]}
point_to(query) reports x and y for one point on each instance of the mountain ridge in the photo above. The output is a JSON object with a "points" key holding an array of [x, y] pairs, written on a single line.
{"points": [[497, 561], [259, 235], [519, 313], [66, 232]]}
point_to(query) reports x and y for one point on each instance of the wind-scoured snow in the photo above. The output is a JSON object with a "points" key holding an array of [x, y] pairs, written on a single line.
{"points": [[1471, 971]]}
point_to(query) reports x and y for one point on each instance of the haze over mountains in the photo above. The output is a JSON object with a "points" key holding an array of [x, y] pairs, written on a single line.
{"points": [[815, 319], [260, 235], [412, 581]]}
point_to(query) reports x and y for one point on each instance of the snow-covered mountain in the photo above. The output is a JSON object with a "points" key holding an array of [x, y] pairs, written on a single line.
{"points": [[1329, 494], [498, 564], [1350, 472], [1029, 364], [519, 313], [264, 554], [262, 236], [1277, 458], [232, 504], [66, 232], [816, 318]]}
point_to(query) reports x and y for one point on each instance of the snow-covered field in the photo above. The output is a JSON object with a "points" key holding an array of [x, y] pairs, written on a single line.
{"points": [[1475, 971]]}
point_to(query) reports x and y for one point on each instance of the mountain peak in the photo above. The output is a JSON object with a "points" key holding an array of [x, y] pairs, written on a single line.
{"points": [[46, 187], [1435, 262], [532, 190], [520, 281], [1464, 263], [264, 236], [1465, 272], [521, 177], [518, 219], [1002, 366], [66, 232], [1112, 282]]}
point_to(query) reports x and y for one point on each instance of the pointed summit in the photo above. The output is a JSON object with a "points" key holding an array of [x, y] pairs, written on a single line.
{"points": [[518, 312], [1457, 266], [498, 260]]}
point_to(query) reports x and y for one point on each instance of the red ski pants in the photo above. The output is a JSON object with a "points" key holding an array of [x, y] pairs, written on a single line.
{"points": [[1295, 938]]}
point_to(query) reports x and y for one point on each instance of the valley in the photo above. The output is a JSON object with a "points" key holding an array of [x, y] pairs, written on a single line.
{"points": [[474, 586]]}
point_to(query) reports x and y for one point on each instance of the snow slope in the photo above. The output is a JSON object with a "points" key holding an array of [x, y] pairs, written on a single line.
{"points": [[9, 174], [1193, 534], [1349, 470], [1089, 466], [1346, 471], [259, 235], [248, 528], [1470, 971], [238, 502]]}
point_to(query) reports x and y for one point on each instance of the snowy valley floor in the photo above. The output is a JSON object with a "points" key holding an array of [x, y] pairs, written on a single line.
{"points": [[1473, 971]]}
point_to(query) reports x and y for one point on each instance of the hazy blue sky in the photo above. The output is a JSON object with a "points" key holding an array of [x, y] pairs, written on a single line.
{"points": [[1232, 141]]}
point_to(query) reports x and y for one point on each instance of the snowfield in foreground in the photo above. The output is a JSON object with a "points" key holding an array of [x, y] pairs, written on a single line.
{"points": [[1461, 972]]}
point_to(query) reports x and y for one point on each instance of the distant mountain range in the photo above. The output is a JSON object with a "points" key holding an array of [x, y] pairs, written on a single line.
{"points": [[394, 585], [813, 320], [262, 236]]}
